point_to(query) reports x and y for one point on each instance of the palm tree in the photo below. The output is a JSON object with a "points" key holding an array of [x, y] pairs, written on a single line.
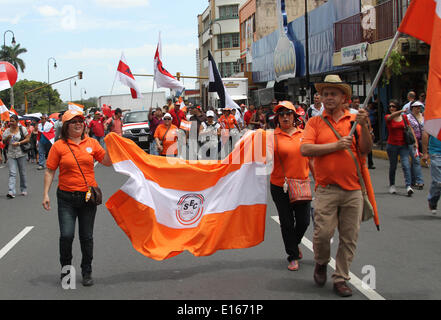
{"points": [[10, 54]]}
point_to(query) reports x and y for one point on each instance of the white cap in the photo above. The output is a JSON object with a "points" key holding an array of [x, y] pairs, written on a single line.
{"points": [[167, 115], [210, 113], [417, 104]]}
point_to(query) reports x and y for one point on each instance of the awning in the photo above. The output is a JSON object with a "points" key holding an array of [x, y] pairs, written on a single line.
{"points": [[239, 97]]}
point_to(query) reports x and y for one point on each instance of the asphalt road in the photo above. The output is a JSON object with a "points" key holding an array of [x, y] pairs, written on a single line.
{"points": [[404, 255]]}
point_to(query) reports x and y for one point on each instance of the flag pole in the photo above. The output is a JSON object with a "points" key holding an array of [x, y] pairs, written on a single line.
{"points": [[153, 90], [377, 77]]}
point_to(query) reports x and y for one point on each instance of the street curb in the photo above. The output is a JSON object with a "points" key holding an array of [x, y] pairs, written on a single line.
{"points": [[381, 154]]}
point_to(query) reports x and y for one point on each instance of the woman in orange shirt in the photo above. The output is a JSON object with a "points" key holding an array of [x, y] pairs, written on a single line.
{"points": [[166, 136], [74, 155], [288, 162]]}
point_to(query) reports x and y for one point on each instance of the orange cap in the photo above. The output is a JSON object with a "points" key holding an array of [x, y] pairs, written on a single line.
{"points": [[285, 104], [70, 114]]}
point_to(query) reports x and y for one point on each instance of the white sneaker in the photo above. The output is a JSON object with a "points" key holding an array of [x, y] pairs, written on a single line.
{"points": [[392, 190], [409, 191]]}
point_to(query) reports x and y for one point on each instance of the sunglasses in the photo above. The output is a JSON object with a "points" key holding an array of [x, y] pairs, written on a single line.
{"points": [[392, 106], [76, 121], [167, 119], [285, 113]]}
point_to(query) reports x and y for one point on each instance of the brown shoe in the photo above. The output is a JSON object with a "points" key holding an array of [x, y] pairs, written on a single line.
{"points": [[342, 289], [320, 275]]}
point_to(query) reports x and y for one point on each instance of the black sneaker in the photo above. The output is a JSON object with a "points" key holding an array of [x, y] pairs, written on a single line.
{"points": [[87, 280], [10, 196]]}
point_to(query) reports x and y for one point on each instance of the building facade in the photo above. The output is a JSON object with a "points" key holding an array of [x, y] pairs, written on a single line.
{"points": [[347, 37], [219, 32]]}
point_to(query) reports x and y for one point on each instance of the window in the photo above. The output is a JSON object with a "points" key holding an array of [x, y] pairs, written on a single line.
{"points": [[206, 23], [227, 69], [229, 12], [228, 40]]}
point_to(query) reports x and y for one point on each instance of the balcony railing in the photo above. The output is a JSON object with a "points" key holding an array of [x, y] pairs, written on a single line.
{"points": [[377, 24]]}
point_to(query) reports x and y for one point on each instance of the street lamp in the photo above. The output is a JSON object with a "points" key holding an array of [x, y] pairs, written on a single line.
{"points": [[221, 42], [4, 38], [48, 82]]}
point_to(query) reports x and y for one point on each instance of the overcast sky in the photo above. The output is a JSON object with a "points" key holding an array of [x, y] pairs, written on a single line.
{"points": [[91, 35]]}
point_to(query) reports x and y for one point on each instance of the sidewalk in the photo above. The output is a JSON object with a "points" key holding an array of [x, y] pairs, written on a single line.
{"points": [[382, 154]]}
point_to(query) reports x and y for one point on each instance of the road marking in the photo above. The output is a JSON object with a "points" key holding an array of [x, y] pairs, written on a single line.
{"points": [[355, 281], [14, 241]]}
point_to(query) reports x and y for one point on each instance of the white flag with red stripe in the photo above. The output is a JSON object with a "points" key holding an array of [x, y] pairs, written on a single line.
{"points": [[162, 77], [4, 80], [168, 206], [126, 77]]}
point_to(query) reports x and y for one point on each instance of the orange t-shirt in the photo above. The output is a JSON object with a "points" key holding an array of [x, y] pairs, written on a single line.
{"points": [[169, 140], [228, 123], [287, 150], [70, 178], [338, 167]]}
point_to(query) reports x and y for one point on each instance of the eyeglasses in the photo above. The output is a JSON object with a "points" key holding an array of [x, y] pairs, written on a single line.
{"points": [[76, 121], [285, 113]]}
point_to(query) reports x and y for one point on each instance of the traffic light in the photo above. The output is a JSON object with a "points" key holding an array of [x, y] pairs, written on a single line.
{"points": [[178, 76], [80, 75]]}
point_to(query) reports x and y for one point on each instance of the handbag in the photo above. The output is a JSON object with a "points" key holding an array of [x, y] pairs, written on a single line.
{"points": [[94, 196], [408, 134], [368, 209], [297, 189], [26, 147]]}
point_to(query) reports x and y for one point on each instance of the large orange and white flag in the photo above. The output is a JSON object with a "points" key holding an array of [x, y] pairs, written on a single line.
{"points": [[169, 206], [423, 21], [4, 112], [75, 106]]}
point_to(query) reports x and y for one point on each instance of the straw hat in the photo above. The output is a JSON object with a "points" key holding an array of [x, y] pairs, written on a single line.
{"points": [[334, 81]]}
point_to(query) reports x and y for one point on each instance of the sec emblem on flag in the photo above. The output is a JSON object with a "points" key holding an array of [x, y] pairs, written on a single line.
{"points": [[190, 209]]}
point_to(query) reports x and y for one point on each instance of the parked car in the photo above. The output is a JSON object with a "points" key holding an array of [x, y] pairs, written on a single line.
{"points": [[136, 128]]}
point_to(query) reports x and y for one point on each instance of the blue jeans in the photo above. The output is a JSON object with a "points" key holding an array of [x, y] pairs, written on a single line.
{"points": [[15, 165], [154, 148], [435, 173], [415, 167], [70, 207], [43, 151], [393, 152]]}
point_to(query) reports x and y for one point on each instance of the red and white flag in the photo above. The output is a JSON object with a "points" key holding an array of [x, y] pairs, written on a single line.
{"points": [[162, 77], [47, 130], [166, 207], [8, 75], [423, 21], [126, 77], [4, 112]]}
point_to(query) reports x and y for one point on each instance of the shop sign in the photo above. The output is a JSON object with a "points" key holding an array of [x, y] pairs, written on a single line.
{"points": [[354, 54]]}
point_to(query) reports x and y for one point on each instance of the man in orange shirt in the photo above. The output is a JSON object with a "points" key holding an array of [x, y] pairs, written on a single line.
{"points": [[338, 198], [227, 122], [166, 136]]}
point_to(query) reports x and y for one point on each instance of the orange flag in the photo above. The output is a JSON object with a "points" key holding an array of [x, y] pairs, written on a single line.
{"points": [[4, 112], [423, 21], [170, 205]]}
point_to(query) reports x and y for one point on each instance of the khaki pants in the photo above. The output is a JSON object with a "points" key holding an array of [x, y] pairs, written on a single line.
{"points": [[342, 209]]}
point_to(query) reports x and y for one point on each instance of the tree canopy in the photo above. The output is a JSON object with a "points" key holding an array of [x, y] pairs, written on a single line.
{"points": [[38, 101]]}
